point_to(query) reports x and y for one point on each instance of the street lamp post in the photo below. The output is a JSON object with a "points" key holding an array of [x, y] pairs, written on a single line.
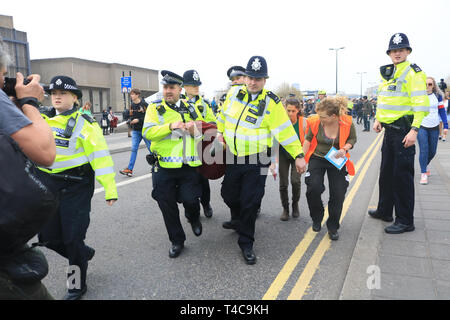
{"points": [[337, 49], [361, 73]]}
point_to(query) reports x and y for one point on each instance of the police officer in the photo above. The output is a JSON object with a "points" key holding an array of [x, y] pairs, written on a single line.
{"points": [[81, 155], [236, 74], [401, 106], [251, 116], [191, 84], [169, 124]]}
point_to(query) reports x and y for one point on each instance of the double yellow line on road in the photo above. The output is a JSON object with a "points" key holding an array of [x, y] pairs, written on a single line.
{"points": [[312, 265]]}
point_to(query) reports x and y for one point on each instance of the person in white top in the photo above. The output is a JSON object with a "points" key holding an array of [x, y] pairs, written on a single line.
{"points": [[428, 135]]}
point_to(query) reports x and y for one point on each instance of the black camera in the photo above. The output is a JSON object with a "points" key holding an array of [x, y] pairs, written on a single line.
{"points": [[9, 87]]}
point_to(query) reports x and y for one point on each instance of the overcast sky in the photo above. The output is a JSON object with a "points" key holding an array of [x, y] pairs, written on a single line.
{"points": [[211, 36]]}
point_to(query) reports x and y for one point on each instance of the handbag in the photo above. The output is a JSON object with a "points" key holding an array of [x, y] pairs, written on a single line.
{"points": [[26, 204]]}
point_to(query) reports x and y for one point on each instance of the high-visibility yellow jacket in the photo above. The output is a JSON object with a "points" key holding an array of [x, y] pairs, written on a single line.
{"points": [[405, 93], [249, 127], [350, 105], [86, 144], [173, 148], [204, 108]]}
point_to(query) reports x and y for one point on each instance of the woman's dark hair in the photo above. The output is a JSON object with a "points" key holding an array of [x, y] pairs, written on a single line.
{"points": [[296, 103]]}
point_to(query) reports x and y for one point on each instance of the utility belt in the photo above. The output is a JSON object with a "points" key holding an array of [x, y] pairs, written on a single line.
{"points": [[402, 124], [76, 174], [262, 159]]}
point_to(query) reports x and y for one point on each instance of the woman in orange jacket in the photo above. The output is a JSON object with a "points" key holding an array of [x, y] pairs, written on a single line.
{"points": [[285, 161], [331, 127]]}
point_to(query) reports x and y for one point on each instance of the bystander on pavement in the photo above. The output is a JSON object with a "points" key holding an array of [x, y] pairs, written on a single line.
{"points": [[412, 265]]}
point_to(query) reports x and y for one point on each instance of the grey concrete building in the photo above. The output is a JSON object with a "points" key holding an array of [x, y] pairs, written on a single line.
{"points": [[16, 44], [100, 82]]}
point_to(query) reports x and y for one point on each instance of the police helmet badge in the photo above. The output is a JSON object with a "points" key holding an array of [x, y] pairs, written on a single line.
{"points": [[397, 39], [196, 76], [256, 64]]}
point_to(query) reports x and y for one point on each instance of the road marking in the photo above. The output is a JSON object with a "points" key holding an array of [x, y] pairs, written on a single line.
{"points": [[313, 264], [283, 276], [123, 183]]}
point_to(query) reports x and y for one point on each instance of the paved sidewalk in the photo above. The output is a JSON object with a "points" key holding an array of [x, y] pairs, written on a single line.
{"points": [[412, 265]]}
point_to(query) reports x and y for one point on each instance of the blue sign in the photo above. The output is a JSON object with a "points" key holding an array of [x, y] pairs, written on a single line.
{"points": [[125, 83]]}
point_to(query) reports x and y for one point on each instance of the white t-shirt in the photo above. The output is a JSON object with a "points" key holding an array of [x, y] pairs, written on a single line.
{"points": [[432, 119]]}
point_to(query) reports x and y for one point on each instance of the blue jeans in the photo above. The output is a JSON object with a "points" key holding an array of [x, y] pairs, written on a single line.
{"points": [[428, 140], [136, 137]]}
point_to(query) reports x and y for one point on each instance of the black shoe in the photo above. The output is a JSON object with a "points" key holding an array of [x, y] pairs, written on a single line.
{"points": [[397, 228], [175, 250], [249, 256], [317, 226], [75, 294], [196, 227], [374, 214], [91, 253], [334, 235], [207, 210], [232, 224]]}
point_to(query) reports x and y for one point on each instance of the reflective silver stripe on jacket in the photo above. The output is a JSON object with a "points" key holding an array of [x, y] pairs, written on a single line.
{"points": [[281, 127], [70, 163], [103, 171], [394, 108], [230, 133], [289, 140], [418, 93], [98, 154]]}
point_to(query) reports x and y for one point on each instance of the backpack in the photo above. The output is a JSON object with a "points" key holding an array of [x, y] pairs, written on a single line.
{"points": [[26, 204]]}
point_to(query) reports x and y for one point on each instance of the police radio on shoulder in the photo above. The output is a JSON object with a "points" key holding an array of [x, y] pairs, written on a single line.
{"points": [[28, 100]]}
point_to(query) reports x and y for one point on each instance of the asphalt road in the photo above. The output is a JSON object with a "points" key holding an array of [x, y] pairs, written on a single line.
{"points": [[131, 243]]}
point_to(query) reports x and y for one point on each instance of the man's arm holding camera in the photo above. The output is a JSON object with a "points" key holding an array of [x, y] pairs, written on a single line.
{"points": [[36, 140]]}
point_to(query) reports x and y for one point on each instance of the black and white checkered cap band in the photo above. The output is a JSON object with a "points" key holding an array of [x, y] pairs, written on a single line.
{"points": [[167, 79]]}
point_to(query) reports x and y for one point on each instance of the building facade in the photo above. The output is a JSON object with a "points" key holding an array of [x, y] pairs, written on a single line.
{"points": [[16, 44], [99, 82]]}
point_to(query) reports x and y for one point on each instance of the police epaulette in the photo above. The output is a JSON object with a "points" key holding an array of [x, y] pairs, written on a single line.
{"points": [[416, 68], [88, 118], [182, 96], [273, 96]]}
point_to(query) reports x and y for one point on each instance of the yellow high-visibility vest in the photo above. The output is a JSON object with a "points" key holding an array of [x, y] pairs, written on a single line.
{"points": [[86, 144], [173, 148], [405, 93], [249, 127]]}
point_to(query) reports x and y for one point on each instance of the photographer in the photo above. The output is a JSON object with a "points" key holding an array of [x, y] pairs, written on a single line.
{"points": [[24, 124]]}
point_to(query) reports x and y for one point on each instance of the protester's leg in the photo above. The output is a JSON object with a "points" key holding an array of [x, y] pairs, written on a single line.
{"points": [[136, 138]]}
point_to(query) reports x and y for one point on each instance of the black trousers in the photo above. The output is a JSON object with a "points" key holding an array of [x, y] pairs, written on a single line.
{"points": [[205, 198], [242, 191], [338, 183], [66, 232], [172, 186], [396, 181]]}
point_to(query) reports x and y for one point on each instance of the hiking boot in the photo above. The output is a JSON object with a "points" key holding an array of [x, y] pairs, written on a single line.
{"points": [[285, 215], [127, 172], [295, 210]]}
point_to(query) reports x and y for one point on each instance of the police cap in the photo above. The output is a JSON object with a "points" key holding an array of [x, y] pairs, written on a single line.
{"points": [[171, 78], [191, 78], [63, 83], [398, 41], [256, 67], [235, 71]]}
